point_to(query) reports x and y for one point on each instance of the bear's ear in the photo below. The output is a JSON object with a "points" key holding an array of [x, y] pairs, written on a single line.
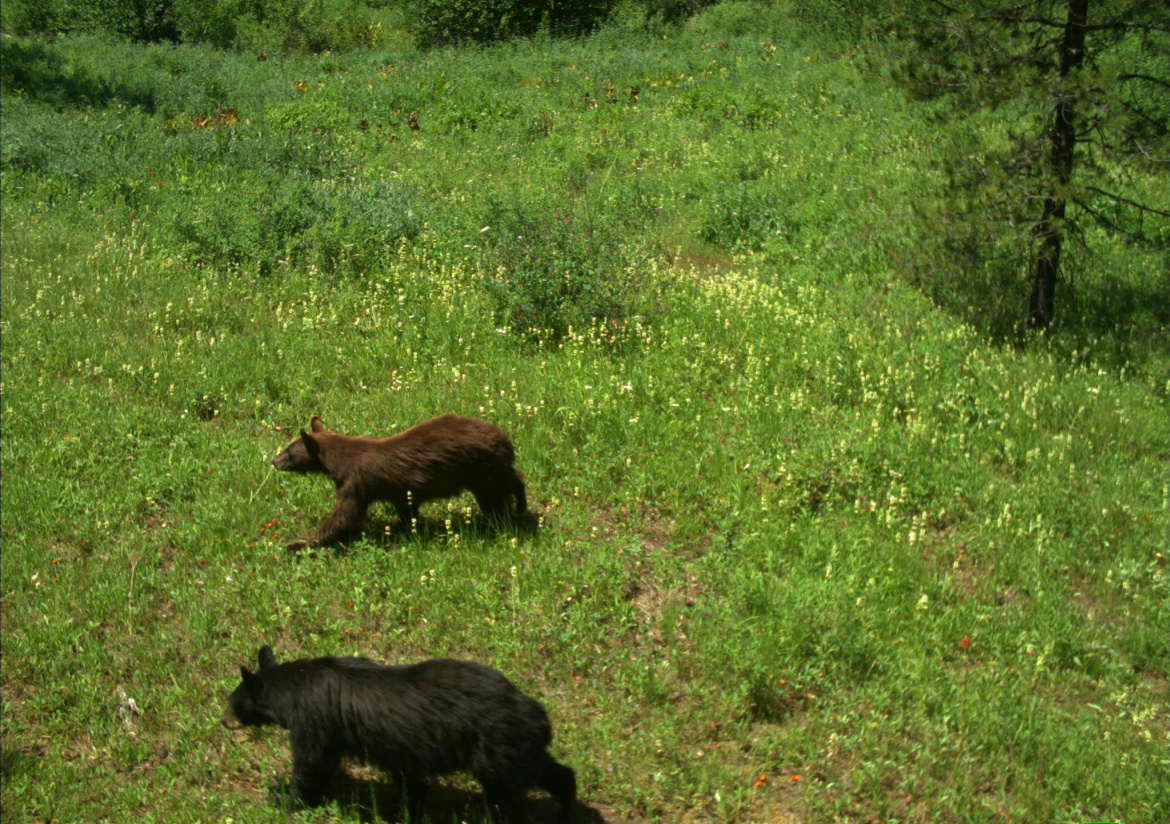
{"points": [[267, 659], [316, 424], [311, 444], [252, 683]]}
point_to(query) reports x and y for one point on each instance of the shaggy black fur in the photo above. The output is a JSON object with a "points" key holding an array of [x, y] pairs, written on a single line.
{"points": [[414, 721]]}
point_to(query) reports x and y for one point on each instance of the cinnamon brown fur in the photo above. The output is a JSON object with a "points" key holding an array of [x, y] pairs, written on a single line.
{"points": [[438, 458]]}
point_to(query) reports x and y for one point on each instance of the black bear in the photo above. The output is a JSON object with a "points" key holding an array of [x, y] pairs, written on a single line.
{"points": [[438, 458], [413, 721]]}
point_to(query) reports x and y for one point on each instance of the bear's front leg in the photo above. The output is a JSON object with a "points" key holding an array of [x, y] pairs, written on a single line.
{"points": [[347, 515], [312, 772]]}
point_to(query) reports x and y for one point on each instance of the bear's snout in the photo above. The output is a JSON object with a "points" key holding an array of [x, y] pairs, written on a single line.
{"points": [[230, 721]]}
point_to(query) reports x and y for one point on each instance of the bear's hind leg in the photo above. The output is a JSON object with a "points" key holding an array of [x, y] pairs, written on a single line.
{"points": [[414, 796], [519, 492], [407, 509], [505, 801], [493, 499]]}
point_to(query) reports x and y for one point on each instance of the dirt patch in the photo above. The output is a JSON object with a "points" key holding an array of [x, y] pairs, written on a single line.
{"points": [[702, 261], [650, 597], [650, 601], [656, 529]]}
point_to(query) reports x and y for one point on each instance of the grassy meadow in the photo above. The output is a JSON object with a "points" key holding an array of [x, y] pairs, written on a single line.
{"points": [[811, 546]]}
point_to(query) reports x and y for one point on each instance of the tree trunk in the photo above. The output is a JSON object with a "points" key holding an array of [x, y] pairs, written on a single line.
{"points": [[1049, 231]]}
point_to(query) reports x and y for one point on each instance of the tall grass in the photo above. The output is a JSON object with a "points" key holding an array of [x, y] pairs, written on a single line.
{"points": [[809, 548]]}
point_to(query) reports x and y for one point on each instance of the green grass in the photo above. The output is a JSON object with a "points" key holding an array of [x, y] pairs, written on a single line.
{"points": [[777, 486]]}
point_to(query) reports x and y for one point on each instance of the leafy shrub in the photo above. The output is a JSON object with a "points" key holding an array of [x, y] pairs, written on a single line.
{"points": [[745, 217], [144, 20], [481, 21], [276, 25], [364, 224], [845, 19], [28, 16], [745, 18], [318, 114], [635, 15], [673, 11], [297, 221], [209, 21], [305, 26], [550, 270]]}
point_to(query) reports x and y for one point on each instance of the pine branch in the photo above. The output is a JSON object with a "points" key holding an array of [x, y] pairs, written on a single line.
{"points": [[1128, 202], [1113, 226], [1146, 77], [1121, 24]]}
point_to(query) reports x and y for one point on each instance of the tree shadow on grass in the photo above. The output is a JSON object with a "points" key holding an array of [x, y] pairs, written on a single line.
{"points": [[1127, 322], [381, 800], [1122, 321], [31, 68]]}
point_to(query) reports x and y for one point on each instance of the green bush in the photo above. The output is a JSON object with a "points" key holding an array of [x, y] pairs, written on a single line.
{"points": [[549, 270], [310, 26], [481, 21], [276, 25], [745, 217], [847, 19], [364, 224], [296, 221], [673, 11], [28, 16], [210, 21], [648, 15], [144, 20]]}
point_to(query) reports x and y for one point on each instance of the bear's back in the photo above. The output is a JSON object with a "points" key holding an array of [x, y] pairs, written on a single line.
{"points": [[427, 718], [456, 435]]}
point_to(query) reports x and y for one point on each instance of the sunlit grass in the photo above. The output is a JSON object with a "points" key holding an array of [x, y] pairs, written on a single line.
{"points": [[776, 492]]}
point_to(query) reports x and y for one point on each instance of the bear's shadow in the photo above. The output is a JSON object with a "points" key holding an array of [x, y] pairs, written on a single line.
{"points": [[381, 800], [390, 532]]}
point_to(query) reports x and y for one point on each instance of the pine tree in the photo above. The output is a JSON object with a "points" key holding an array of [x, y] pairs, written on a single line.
{"points": [[1086, 86]]}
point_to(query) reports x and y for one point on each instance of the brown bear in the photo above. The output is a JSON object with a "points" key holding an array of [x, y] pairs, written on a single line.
{"points": [[439, 458]]}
